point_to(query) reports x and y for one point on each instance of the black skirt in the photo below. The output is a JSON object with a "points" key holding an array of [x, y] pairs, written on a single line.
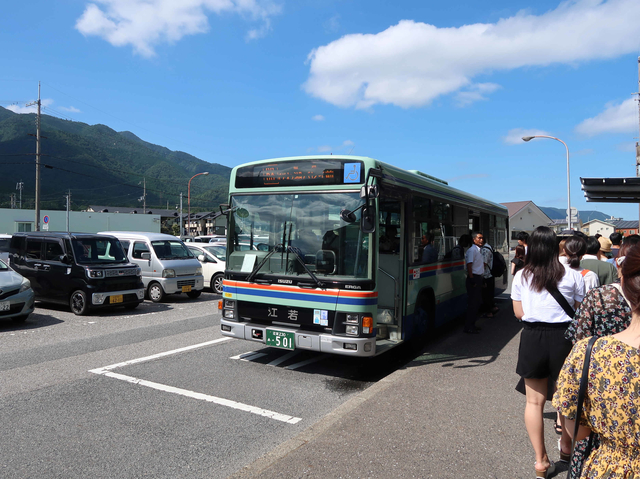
{"points": [[543, 349]]}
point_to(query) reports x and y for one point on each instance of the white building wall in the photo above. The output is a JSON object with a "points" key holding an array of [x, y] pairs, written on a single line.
{"points": [[79, 221], [527, 219], [597, 226]]}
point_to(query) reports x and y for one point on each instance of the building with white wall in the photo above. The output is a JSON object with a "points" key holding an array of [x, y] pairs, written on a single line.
{"points": [[593, 227], [524, 216], [15, 220]]}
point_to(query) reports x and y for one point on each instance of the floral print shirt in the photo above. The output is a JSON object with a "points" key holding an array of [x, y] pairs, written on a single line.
{"points": [[611, 405], [603, 311]]}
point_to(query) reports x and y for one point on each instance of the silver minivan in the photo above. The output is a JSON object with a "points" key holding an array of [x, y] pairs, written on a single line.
{"points": [[168, 267]]}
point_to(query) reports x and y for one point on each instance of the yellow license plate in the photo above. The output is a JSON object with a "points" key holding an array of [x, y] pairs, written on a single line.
{"points": [[116, 299], [186, 289]]}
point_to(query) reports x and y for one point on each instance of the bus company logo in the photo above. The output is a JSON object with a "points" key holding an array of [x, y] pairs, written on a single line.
{"points": [[285, 281], [352, 286], [272, 312]]}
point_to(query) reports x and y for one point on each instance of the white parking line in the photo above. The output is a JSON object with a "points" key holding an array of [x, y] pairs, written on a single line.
{"points": [[106, 371], [250, 356]]}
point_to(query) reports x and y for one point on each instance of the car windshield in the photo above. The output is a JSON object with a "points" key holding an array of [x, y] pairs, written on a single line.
{"points": [[220, 252], [171, 249], [300, 233], [98, 250]]}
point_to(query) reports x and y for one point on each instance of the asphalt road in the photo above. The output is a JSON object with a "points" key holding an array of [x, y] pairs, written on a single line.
{"points": [[157, 392]]}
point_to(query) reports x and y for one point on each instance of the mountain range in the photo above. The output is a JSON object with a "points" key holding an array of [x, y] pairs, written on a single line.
{"points": [[99, 165]]}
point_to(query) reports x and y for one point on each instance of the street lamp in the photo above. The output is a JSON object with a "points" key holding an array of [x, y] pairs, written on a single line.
{"points": [[189, 200], [529, 138]]}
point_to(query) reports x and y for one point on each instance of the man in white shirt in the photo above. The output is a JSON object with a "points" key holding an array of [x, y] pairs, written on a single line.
{"points": [[475, 269]]}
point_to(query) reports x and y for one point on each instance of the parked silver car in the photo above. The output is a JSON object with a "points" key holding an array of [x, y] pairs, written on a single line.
{"points": [[16, 296]]}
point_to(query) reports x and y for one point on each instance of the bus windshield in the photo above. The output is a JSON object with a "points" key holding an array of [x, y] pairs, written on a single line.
{"points": [[298, 235]]}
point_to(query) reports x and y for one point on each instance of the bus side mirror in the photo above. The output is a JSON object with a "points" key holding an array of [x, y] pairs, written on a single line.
{"points": [[368, 219], [369, 192]]}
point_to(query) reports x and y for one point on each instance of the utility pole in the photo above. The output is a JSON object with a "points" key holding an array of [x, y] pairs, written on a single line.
{"points": [[38, 103], [13, 200], [68, 197], [181, 218], [19, 187], [143, 198]]}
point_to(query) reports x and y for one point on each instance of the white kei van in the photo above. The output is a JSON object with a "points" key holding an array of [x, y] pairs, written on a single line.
{"points": [[168, 267]]}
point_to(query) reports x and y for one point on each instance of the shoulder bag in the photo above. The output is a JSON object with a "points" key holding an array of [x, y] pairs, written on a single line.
{"points": [[584, 381], [562, 301]]}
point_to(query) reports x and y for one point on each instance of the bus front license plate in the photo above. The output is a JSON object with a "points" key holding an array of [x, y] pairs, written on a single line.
{"points": [[186, 289], [116, 298], [281, 339]]}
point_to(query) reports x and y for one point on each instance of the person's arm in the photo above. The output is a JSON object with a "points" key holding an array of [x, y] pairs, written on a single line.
{"points": [[517, 309], [513, 268], [583, 431], [470, 270]]}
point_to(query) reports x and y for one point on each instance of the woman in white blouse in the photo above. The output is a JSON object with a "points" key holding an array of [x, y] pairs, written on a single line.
{"points": [[543, 347]]}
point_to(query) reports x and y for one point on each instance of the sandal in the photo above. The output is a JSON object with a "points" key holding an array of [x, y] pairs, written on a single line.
{"points": [[558, 428], [564, 456], [547, 472]]}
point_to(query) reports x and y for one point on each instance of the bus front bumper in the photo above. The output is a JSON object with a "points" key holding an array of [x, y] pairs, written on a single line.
{"points": [[309, 340]]}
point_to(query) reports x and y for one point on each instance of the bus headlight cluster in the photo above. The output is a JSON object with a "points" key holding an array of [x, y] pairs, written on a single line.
{"points": [[352, 329], [353, 320], [229, 309]]}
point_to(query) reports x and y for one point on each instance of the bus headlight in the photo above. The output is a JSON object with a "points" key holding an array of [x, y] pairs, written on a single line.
{"points": [[353, 318], [352, 330], [229, 309]]}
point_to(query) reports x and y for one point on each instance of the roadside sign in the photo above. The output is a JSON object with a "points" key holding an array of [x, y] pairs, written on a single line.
{"points": [[45, 220], [45, 227]]}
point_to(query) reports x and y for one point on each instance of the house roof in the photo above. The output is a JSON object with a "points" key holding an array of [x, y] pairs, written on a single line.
{"points": [[625, 224], [124, 209], [515, 206]]}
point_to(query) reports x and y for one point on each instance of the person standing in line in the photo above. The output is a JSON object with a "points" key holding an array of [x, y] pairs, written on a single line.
{"points": [[541, 292], [610, 407], [571, 252], [606, 272], [489, 307], [475, 269], [517, 263], [523, 240], [616, 240]]}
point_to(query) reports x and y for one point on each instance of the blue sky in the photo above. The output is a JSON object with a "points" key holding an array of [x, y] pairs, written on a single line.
{"points": [[447, 89]]}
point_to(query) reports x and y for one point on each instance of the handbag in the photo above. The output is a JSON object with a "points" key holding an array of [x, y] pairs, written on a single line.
{"points": [[584, 380]]}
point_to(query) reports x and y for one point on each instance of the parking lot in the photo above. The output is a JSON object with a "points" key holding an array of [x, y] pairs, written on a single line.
{"points": [[156, 391]]}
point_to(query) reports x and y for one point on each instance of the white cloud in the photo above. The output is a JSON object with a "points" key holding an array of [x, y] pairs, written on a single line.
{"points": [[616, 118], [317, 118], [514, 137], [475, 93], [45, 102], [144, 24], [411, 63], [70, 109]]}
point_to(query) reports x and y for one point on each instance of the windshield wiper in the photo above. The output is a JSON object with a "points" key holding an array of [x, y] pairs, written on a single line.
{"points": [[319, 283], [257, 268]]}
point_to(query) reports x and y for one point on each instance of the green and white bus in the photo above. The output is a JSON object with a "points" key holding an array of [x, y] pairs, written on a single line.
{"points": [[324, 253]]}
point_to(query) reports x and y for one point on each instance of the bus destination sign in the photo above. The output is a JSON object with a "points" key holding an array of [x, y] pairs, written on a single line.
{"points": [[300, 173]]}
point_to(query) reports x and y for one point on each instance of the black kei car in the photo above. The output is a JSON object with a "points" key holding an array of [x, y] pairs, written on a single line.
{"points": [[85, 271]]}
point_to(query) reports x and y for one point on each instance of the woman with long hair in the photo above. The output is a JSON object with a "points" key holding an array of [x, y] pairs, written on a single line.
{"points": [[603, 312], [543, 292]]}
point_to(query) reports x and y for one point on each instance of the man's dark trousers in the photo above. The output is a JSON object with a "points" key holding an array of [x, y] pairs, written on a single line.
{"points": [[474, 300]]}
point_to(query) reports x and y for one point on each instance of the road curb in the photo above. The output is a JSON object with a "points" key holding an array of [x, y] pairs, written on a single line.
{"points": [[319, 427]]}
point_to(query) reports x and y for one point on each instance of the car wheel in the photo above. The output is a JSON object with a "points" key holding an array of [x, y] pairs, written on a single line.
{"points": [[216, 283], [78, 303], [194, 294], [20, 319], [156, 293]]}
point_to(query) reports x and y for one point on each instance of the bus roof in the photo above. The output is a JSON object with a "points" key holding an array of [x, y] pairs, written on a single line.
{"points": [[411, 179]]}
